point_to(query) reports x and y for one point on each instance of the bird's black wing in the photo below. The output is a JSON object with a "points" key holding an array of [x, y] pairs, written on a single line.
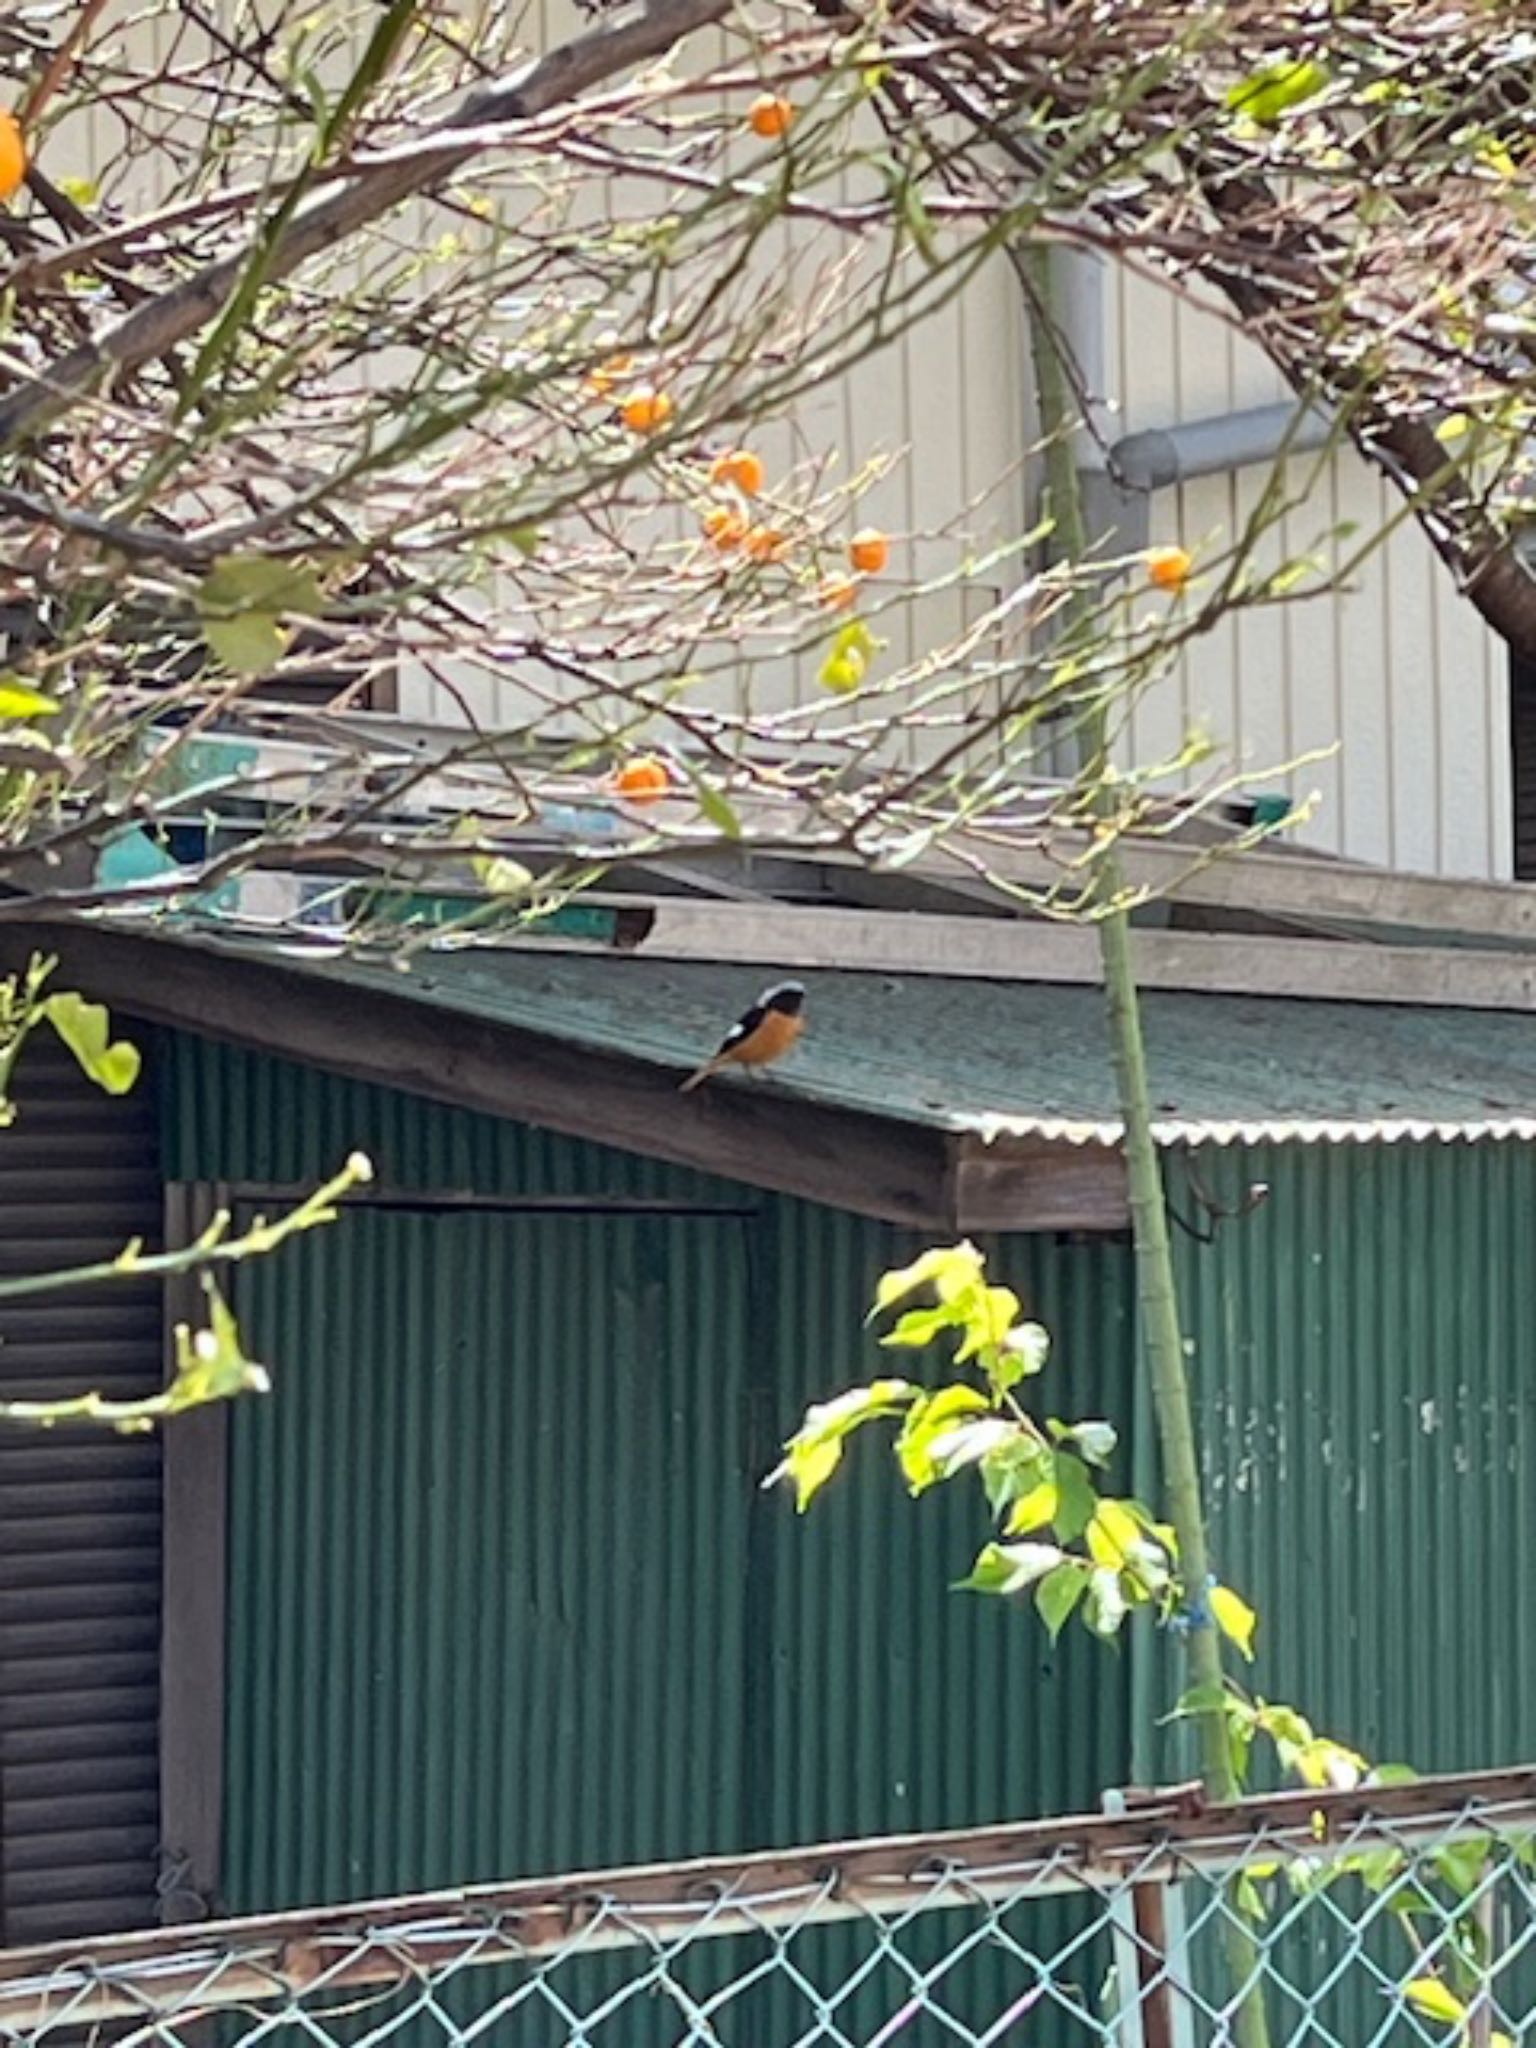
{"points": [[742, 1029]]}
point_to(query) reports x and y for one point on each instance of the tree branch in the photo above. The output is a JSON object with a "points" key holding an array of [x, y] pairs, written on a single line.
{"points": [[153, 329]]}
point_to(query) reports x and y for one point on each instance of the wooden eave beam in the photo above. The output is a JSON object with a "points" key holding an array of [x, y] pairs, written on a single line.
{"points": [[886, 1168]]}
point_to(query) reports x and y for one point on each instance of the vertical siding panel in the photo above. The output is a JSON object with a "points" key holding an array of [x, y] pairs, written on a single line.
{"points": [[1365, 682], [1365, 1348], [1411, 732], [442, 1507], [1398, 669], [591, 1575]]}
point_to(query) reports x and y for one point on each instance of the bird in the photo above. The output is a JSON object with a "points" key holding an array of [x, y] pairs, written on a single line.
{"points": [[760, 1035]]}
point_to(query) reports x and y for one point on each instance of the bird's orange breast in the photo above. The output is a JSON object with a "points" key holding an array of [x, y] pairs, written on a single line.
{"points": [[770, 1041]]}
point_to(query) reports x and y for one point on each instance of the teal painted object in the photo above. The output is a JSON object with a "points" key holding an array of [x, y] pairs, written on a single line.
{"points": [[131, 856]]}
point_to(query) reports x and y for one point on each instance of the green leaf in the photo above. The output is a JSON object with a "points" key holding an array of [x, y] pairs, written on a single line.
{"points": [[1201, 1699], [919, 1326], [86, 1029], [526, 539], [1012, 1469], [1393, 1774], [1378, 1868], [1461, 1864], [1235, 1618], [815, 1451], [1269, 93], [242, 601], [716, 808], [1077, 1499], [1058, 1594], [1007, 1568], [1435, 2000], [919, 222], [18, 699], [1036, 1510], [928, 1417], [947, 1268]]}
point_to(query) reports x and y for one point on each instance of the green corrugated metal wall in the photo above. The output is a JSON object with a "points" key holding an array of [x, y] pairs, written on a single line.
{"points": [[1365, 1346], [470, 1412]]}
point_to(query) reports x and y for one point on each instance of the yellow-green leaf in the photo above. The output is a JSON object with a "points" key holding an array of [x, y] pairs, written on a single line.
{"points": [[990, 1322], [848, 658], [113, 1064], [814, 1452], [259, 583], [249, 645], [1112, 1535], [946, 1267], [1269, 93], [242, 601], [1435, 2000], [1034, 1511], [1235, 1618], [19, 699], [211, 1364], [928, 1418]]}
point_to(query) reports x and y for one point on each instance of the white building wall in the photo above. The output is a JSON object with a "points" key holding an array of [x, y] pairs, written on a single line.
{"points": [[1397, 675]]}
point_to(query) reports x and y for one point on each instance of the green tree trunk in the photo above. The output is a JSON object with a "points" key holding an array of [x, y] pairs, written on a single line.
{"points": [[1157, 1293]]}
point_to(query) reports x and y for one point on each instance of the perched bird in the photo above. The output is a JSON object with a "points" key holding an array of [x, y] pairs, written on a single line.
{"points": [[764, 1033]]}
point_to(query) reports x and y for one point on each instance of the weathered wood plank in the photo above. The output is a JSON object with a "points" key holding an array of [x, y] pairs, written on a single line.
{"points": [[1024, 949]]}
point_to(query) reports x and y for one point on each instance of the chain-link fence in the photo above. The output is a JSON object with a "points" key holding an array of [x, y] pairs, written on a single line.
{"points": [[1401, 1914]]}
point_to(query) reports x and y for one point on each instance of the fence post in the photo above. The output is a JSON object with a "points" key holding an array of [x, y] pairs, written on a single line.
{"points": [[1151, 1959]]}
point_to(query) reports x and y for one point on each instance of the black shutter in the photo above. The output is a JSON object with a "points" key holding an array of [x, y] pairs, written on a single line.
{"points": [[1522, 742], [80, 1517]]}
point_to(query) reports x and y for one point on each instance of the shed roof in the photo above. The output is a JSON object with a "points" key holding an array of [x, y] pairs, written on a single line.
{"points": [[949, 1104], [1028, 1059]]}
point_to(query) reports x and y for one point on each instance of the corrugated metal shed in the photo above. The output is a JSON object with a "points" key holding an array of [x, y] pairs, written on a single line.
{"points": [[1363, 1345], [506, 1500], [1020, 1058]]}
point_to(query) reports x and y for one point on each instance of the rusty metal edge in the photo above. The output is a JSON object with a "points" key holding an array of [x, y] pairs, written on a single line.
{"points": [[1163, 1836]]}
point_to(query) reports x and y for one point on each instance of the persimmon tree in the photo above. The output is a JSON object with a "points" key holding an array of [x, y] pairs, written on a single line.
{"points": [[358, 338], [372, 339]]}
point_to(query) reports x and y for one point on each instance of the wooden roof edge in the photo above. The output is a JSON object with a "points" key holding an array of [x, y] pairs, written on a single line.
{"points": [[886, 1168]]}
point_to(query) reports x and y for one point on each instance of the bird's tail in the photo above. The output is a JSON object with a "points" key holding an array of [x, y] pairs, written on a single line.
{"points": [[700, 1074]]}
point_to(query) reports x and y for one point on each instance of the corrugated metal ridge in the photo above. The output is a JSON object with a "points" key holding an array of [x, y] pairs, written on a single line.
{"points": [[1262, 1131]]}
